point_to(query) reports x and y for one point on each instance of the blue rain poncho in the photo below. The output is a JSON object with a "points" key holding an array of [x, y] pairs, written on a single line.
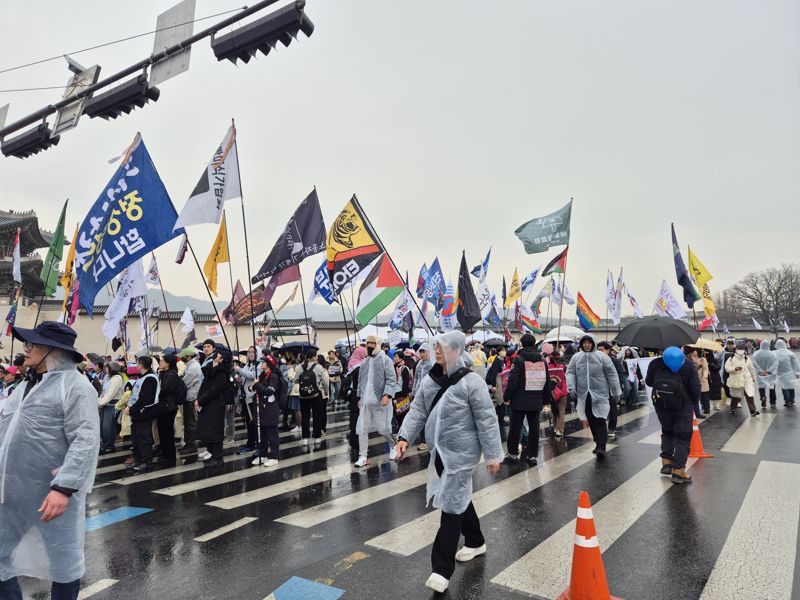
{"points": [[788, 366], [764, 360], [593, 372], [462, 426], [51, 437], [376, 379]]}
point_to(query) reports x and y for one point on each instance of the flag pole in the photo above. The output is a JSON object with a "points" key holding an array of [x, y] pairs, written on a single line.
{"points": [[561, 304], [205, 284], [305, 314], [230, 273], [166, 307], [377, 237], [246, 245], [346, 330]]}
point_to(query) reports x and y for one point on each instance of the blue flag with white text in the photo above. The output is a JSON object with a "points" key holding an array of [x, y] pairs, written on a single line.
{"points": [[132, 217], [435, 286]]}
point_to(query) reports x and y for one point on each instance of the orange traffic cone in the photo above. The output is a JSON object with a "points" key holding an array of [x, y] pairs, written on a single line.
{"points": [[588, 579], [696, 449]]}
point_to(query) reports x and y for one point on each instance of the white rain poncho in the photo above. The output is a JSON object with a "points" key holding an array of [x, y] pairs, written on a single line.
{"points": [[461, 426], [593, 372], [376, 379], [422, 368], [50, 438], [764, 360], [788, 366]]}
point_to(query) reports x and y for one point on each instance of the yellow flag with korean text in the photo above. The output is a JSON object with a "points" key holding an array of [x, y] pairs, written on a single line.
{"points": [[218, 254], [514, 291]]}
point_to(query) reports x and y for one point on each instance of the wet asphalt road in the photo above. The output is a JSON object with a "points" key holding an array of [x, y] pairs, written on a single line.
{"points": [[668, 549]]}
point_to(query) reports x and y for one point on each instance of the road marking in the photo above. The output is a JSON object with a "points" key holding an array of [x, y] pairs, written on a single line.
{"points": [[766, 526], [748, 436], [223, 530], [96, 587], [114, 516], [298, 588], [413, 536], [545, 570], [341, 506], [631, 415], [193, 486], [291, 485]]}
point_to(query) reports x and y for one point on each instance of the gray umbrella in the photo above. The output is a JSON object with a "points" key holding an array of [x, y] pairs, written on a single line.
{"points": [[657, 332]]}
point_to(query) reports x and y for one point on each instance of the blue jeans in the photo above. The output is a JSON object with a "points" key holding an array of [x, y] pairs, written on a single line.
{"points": [[10, 590], [108, 432]]}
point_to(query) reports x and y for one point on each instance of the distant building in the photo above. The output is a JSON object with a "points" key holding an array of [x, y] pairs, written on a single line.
{"points": [[31, 238]]}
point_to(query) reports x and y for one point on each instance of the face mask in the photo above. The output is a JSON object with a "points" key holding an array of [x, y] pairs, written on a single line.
{"points": [[740, 352], [370, 350]]}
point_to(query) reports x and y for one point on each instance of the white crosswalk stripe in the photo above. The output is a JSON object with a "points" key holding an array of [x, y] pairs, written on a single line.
{"points": [[415, 535], [193, 486], [766, 526], [223, 530], [96, 588], [632, 415], [748, 437], [544, 571]]}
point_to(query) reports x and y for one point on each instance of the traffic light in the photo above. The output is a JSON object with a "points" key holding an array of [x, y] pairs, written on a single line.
{"points": [[263, 34], [121, 99], [31, 142]]}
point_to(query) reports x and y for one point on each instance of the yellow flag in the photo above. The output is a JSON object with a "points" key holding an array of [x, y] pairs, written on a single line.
{"points": [[514, 291], [698, 270], [67, 277], [218, 254]]}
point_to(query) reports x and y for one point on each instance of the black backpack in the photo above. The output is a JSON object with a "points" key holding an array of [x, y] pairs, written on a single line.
{"points": [[307, 383], [668, 392]]}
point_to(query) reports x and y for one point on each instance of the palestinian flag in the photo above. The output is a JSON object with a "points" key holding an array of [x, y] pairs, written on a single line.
{"points": [[381, 287], [558, 264]]}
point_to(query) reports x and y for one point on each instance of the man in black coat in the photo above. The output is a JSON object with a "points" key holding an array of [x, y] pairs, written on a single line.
{"points": [[216, 392], [528, 389], [268, 414]]}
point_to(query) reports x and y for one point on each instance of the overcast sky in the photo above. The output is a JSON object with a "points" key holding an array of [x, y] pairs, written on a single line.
{"points": [[455, 122]]}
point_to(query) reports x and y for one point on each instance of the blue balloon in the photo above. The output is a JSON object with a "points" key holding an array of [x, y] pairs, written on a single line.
{"points": [[391, 353], [674, 358]]}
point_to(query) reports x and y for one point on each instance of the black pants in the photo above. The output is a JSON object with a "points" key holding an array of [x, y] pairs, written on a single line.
{"points": [[773, 398], [598, 426], [250, 422], [142, 437], [354, 412], [613, 411], [215, 449], [270, 442], [10, 590], [704, 401], [676, 434], [165, 423], [451, 527], [189, 424], [315, 406], [517, 417], [324, 419], [788, 396], [750, 404]]}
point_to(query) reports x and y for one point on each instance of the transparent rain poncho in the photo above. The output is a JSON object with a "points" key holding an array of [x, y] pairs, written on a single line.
{"points": [[764, 360], [788, 366], [50, 438], [423, 367], [376, 379], [593, 372], [462, 426]]}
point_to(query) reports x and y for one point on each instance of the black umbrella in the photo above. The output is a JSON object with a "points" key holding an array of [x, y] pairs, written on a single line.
{"points": [[657, 332], [496, 343]]}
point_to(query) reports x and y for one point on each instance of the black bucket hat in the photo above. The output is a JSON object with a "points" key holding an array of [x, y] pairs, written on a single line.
{"points": [[51, 334]]}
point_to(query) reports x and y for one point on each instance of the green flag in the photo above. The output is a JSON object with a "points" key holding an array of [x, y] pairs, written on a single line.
{"points": [[52, 265], [539, 234]]}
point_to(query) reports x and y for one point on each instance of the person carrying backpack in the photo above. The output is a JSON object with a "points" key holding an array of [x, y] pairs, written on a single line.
{"points": [[311, 379], [676, 389]]}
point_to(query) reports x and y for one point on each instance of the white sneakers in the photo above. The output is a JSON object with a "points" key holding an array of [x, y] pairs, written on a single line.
{"points": [[467, 554], [437, 583], [393, 453], [362, 461], [267, 462], [295, 430], [205, 455], [304, 442], [317, 442], [270, 462]]}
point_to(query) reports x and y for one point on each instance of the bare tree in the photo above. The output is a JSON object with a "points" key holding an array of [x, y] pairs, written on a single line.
{"points": [[770, 296]]}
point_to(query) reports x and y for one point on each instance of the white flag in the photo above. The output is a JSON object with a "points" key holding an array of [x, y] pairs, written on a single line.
{"points": [[152, 277], [484, 297], [635, 303], [610, 293], [558, 288], [187, 321], [756, 324], [402, 307], [131, 286], [214, 331], [666, 304], [616, 314], [786, 326], [218, 184], [17, 266]]}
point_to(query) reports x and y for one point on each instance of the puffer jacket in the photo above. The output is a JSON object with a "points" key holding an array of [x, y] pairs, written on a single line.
{"points": [[529, 386]]}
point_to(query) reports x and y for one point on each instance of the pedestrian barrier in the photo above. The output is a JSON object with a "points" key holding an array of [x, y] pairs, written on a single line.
{"points": [[588, 578], [696, 450]]}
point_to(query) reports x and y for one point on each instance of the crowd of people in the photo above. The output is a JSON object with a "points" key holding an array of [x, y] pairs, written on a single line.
{"points": [[448, 399]]}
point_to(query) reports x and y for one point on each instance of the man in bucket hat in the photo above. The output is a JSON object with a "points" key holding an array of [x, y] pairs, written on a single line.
{"points": [[49, 439]]}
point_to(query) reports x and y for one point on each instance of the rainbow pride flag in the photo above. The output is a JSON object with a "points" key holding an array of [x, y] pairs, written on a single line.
{"points": [[586, 316], [528, 320]]}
